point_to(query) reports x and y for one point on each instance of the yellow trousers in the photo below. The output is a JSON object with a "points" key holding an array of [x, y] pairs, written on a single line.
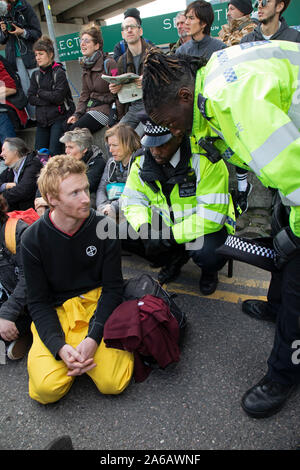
{"points": [[48, 379]]}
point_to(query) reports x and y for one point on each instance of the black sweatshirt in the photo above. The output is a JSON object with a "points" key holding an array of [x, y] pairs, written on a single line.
{"points": [[57, 267]]}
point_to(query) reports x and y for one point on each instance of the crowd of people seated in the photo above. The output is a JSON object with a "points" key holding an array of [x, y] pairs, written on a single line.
{"points": [[157, 184]]}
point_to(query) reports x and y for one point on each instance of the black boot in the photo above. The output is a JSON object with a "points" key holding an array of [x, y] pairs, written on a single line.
{"points": [[208, 282], [258, 309], [172, 270], [266, 398]]}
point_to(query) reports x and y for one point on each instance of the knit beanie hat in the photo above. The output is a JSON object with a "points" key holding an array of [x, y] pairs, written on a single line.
{"points": [[245, 6], [134, 13]]}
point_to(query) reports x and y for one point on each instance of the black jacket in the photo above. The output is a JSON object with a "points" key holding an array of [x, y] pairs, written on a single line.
{"points": [[22, 196], [48, 91], [58, 267], [23, 16], [93, 158], [284, 33], [12, 276]]}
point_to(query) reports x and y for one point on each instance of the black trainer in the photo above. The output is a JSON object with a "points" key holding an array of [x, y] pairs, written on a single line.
{"points": [[242, 198], [208, 282], [266, 398], [258, 309]]}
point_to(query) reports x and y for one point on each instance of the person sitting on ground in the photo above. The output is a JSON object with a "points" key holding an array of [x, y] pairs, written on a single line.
{"points": [[15, 321], [132, 61], [79, 144], [94, 105], [199, 19], [74, 282], [11, 118], [18, 182], [123, 142], [50, 93], [190, 193]]}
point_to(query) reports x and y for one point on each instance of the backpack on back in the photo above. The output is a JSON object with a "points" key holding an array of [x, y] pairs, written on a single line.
{"points": [[68, 101], [29, 216]]}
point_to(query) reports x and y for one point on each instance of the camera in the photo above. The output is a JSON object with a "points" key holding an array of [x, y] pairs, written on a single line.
{"points": [[8, 21], [212, 153]]}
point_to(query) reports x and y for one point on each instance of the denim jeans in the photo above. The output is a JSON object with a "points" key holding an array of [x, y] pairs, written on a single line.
{"points": [[6, 127]]}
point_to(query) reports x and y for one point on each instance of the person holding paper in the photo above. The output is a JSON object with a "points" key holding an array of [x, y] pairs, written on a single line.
{"points": [[132, 61]]}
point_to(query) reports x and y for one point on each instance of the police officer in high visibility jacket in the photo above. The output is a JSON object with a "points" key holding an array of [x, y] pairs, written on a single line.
{"points": [[243, 105], [188, 194]]}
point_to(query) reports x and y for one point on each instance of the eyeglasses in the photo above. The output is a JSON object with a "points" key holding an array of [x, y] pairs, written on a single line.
{"points": [[131, 26], [85, 41], [263, 3]]}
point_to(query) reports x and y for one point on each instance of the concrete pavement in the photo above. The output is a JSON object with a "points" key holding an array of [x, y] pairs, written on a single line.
{"points": [[192, 405]]}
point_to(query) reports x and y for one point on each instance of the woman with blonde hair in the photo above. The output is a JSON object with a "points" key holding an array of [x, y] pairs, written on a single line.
{"points": [[95, 100], [123, 142]]}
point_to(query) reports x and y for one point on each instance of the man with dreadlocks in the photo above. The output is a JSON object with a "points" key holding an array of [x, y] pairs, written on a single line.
{"points": [[243, 105]]}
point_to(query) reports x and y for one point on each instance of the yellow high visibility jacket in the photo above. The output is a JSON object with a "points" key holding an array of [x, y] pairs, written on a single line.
{"points": [[199, 205], [250, 94]]}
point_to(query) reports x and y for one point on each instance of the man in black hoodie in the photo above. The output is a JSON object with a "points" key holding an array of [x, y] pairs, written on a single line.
{"points": [[272, 24], [74, 279]]}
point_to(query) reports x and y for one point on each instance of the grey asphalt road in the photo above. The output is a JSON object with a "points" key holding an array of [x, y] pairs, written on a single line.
{"points": [[191, 405]]}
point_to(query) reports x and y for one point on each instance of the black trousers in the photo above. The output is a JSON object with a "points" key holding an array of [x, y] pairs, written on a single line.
{"points": [[202, 251], [284, 300]]}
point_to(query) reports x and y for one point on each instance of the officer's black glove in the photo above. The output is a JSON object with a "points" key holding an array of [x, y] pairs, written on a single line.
{"points": [[156, 242], [286, 245]]}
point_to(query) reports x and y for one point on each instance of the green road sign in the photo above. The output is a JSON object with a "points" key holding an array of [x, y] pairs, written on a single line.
{"points": [[159, 29]]}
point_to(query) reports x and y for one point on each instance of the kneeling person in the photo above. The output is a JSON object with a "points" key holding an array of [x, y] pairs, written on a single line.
{"points": [[190, 194], [74, 283]]}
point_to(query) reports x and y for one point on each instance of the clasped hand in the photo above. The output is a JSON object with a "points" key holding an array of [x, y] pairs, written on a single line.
{"points": [[80, 359]]}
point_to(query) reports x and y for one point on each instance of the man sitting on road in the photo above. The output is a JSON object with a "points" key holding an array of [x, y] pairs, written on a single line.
{"points": [[189, 195], [74, 283]]}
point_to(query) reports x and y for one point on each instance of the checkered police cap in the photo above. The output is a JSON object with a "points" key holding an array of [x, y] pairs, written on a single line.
{"points": [[154, 135]]}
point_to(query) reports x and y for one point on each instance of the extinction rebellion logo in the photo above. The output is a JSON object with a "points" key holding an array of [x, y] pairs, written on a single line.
{"points": [[91, 250]]}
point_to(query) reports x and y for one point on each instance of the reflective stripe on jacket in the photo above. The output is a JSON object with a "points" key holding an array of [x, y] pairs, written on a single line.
{"points": [[252, 94], [192, 216]]}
